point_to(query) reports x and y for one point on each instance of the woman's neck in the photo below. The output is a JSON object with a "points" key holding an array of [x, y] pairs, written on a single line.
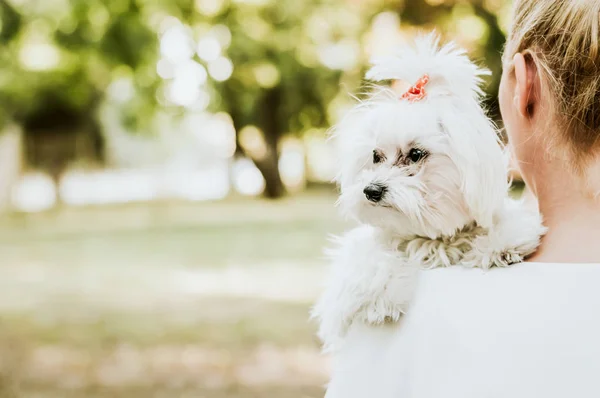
{"points": [[573, 220]]}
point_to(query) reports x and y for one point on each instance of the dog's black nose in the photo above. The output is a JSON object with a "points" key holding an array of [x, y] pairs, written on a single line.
{"points": [[374, 192]]}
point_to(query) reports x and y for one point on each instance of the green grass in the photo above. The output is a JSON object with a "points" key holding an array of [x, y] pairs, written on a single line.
{"points": [[236, 231], [230, 323], [196, 245], [96, 302]]}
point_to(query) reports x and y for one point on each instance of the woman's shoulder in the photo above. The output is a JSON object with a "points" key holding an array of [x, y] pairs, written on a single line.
{"points": [[524, 277], [510, 292], [528, 275], [533, 324]]}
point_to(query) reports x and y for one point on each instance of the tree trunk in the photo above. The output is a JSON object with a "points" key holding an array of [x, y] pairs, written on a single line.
{"points": [[268, 122], [269, 166]]}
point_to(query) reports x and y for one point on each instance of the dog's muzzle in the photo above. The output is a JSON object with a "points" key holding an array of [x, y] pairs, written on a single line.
{"points": [[374, 192]]}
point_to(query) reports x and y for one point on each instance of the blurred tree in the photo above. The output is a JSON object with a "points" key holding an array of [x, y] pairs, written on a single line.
{"points": [[59, 57], [280, 67], [290, 58]]}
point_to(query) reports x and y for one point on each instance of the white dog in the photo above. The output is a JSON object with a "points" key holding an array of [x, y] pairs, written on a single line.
{"points": [[423, 171]]}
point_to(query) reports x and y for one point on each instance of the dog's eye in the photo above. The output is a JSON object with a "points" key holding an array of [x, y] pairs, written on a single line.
{"points": [[377, 156], [416, 154]]}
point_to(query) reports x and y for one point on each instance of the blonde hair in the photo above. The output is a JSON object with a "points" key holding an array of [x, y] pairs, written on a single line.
{"points": [[562, 37]]}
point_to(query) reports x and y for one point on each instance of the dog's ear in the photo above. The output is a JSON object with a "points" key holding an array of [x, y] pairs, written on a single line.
{"points": [[477, 152], [351, 144]]}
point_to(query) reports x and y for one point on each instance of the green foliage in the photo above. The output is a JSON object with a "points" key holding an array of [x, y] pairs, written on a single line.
{"points": [[66, 53], [276, 51]]}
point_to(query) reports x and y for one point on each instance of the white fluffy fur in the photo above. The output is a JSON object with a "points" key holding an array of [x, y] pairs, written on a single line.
{"points": [[449, 208]]}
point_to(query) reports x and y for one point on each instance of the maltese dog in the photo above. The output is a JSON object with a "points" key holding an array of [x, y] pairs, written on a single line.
{"points": [[423, 172]]}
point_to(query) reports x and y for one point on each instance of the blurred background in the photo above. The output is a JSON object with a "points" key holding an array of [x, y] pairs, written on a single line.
{"points": [[165, 184]]}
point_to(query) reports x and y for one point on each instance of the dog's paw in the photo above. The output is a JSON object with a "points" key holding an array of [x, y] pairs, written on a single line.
{"points": [[504, 259], [509, 257], [495, 259], [381, 311], [486, 260]]}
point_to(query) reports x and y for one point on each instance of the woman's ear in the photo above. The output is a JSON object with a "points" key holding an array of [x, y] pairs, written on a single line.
{"points": [[526, 89]]}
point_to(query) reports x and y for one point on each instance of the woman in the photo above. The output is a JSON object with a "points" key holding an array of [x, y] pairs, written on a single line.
{"points": [[530, 330]]}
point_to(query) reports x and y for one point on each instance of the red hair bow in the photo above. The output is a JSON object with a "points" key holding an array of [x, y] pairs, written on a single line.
{"points": [[417, 91]]}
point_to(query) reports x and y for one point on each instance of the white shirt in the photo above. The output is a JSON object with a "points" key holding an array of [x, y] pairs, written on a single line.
{"points": [[527, 331]]}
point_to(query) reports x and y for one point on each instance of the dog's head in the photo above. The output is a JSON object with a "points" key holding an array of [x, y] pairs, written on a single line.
{"points": [[425, 160]]}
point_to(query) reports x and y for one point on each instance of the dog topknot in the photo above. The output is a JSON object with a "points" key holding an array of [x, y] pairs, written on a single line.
{"points": [[449, 69]]}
